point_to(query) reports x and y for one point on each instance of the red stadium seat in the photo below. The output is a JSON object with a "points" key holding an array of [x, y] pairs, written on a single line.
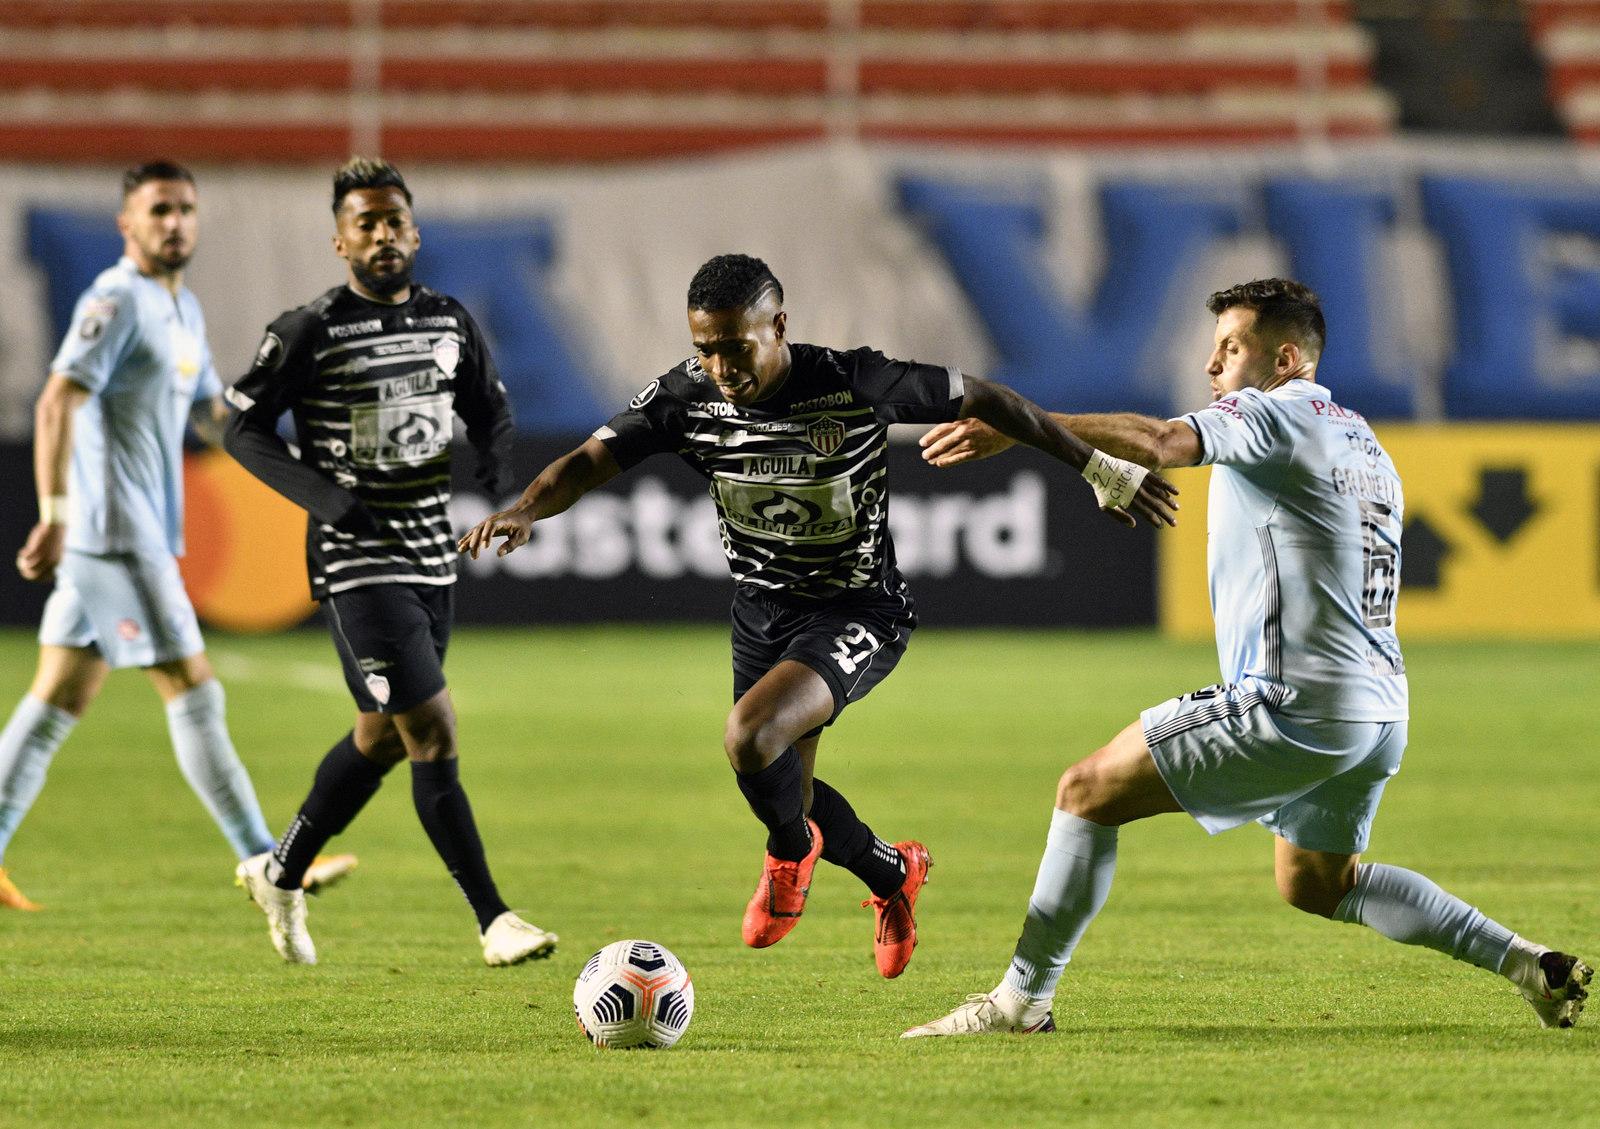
{"points": [[605, 79]]}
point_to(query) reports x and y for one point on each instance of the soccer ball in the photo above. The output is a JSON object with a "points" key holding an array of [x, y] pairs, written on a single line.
{"points": [[633, 994]]}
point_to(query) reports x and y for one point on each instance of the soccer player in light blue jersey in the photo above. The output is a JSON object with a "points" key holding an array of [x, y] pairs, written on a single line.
{"points": [[1309, 723], [108, 465]]}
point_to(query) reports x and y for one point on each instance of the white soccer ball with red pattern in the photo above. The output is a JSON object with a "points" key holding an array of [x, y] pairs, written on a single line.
{"points": [[633, 994]]}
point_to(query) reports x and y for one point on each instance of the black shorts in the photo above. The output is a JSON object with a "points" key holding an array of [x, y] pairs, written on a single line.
{"points": [[852, 641], [391, 640]]}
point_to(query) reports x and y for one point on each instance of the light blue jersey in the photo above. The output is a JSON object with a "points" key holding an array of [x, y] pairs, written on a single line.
{"points": [[142, 353], [1304, 554]]}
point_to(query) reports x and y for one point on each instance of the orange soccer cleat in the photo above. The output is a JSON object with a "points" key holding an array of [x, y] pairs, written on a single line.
{"points": [[780, 896], [896, 934], [13, 898]]}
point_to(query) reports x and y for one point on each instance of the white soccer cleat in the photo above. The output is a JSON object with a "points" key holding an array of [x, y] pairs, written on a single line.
{"points": [[510, 940], [1555, 988], [285, 910], [327, 870], [981, 1015]]}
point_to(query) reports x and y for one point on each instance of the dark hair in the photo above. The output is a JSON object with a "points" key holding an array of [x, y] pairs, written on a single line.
{"points": [[1282, 306], [731, 282], [366, 172], [153, 170]]}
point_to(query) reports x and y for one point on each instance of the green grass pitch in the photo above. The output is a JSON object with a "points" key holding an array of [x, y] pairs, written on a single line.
{"points": [[148, 994]]}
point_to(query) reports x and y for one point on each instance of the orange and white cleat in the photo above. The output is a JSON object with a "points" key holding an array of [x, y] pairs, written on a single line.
{"points": [[780, 896], [327, 870], [13, 898], [896, 934]]}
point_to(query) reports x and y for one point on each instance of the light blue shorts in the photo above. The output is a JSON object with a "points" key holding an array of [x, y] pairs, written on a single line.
{"points": [[133, 609], [1229, 759]]}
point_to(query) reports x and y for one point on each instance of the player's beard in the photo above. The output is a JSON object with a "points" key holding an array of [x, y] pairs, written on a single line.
{"points": [[385, 284], [173, 257]]}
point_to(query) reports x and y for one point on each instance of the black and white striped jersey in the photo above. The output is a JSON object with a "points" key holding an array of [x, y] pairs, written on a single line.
{"points": [[799, 478], [373, 390]]}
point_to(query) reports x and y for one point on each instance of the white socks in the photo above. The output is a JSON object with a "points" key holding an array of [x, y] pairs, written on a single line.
{"points": [[1407, 907], [206, 755], [1074, 879], [32, 736]]}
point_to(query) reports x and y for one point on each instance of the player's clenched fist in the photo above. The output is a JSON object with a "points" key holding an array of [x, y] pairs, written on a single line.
{"points": [[514, 525]]}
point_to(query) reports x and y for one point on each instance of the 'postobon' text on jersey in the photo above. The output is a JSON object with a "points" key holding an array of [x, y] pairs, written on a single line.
{"points": [[798, 478], [374, 390]]}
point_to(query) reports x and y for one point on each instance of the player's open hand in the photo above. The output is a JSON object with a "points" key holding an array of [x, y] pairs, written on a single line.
{"points": [[1156, 502], [514, 525], [962, 441], [41, 553]]}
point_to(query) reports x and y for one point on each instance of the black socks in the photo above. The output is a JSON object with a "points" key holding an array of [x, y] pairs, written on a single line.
{"points": [[344, 782], [849, 843], [447, 817], [777, 795]]}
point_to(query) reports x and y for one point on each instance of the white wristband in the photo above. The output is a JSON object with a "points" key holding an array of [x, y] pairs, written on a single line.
{"points": [[53, 510], [1115, 481]]}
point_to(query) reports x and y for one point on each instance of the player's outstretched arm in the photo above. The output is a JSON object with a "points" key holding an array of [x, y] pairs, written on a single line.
{"points": [[1150, 442], [257, 447], [52, 447], [558, 486], [1122, 488]]}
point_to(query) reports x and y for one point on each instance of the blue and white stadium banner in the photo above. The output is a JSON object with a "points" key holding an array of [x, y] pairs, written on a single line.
{"points": [[1460, 283]]}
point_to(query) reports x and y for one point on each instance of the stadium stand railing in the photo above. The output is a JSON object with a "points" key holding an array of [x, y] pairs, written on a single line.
{"points": [[609, 79]]}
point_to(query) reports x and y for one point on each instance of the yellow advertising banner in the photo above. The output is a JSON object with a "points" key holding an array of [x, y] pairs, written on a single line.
{"points": [[1502, 534]]}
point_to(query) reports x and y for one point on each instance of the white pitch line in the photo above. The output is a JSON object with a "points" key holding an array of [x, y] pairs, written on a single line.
{"points": [[232, 666]]}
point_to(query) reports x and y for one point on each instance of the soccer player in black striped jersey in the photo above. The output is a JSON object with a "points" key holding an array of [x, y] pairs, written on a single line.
{"points": [[792, 438], [374, 372]]}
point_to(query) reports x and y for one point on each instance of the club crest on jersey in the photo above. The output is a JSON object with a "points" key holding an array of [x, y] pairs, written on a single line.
{"points": [[826, 435], [446, 354], [378, 687]]}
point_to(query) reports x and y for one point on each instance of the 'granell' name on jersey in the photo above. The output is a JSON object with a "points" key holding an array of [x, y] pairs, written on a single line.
{"points": [[353, 328], [831, 400], [1365, 484]]}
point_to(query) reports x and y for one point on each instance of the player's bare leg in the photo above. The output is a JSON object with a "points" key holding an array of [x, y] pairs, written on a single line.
{"points": [[65, 682], [1407, 907], [789, 701], [1113, 786]]}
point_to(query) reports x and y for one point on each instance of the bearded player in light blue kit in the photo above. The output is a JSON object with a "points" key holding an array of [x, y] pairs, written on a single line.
{"points": [[108, 465], [1304, 561]]}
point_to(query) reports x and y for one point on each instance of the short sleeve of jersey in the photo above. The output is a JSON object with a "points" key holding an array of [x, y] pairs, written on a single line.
{"points": [[1240, 430], [652, 424], [905, 391], [281, 363], [102, 324]]}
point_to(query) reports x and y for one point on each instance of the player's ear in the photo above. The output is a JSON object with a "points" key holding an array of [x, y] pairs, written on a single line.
{"points": [[338, 245], [1289, 357], [780, 323]]}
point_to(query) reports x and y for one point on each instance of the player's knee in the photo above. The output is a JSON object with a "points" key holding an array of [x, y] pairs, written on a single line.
{"points": [[1311, 892], [387, 749], [751, 743], [1079, 791]]}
